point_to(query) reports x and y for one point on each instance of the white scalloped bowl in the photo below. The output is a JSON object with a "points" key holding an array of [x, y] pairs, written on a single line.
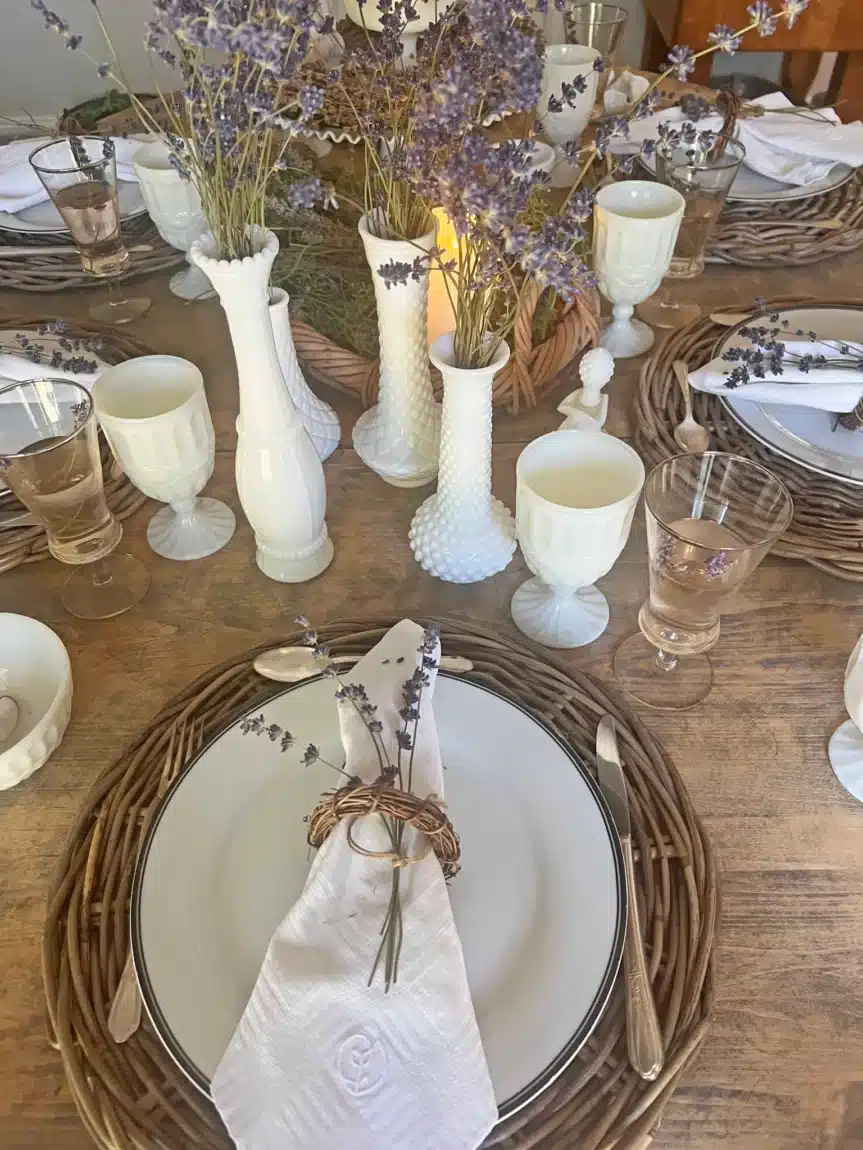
{"points": [[35, 671]]}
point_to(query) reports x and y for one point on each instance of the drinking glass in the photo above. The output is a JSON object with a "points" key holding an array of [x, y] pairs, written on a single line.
{"points": [[711, 519], [153, 411], [575, 497], [49, 457], [80, 175], [635, 224], [597, 26], [704, 179]]}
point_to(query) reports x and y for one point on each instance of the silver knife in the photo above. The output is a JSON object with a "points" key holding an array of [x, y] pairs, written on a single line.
{"points": [[643, 1035]]}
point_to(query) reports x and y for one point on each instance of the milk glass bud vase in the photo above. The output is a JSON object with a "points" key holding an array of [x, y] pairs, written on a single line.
{"points": [[399, 437], [280, 479], [462, 533]]}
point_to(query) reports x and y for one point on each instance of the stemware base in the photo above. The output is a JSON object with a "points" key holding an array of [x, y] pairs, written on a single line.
{"points": [[845, 752], [668, 314], [120, 311], [191, 284], [661, 681], [193, 531], [624, 337], [106, 588], [558, 616]]}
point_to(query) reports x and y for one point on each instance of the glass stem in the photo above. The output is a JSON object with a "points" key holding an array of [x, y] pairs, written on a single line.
{"points": [[665, 661], [101, 573]]}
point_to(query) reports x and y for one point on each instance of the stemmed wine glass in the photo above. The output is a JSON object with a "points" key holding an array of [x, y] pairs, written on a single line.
{"points": [[598, 26], [80, 175], [711, 519], [49, 457]]}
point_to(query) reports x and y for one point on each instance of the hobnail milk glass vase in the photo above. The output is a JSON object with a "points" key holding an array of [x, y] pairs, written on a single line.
{"points": [[319, 419], [462, 533], [280, 479], [399, 437]]}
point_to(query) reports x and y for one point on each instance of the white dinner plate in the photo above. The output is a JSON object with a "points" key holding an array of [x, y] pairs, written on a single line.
{"points": [[44, 219], [751, 187], [539, 902], [803, 434]]}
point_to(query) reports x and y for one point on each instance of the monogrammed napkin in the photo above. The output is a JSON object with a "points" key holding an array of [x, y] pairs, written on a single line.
{"points": [[320, 1059]]}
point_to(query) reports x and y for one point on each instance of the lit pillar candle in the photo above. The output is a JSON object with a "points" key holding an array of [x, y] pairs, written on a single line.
{"points": [[441, 317]]}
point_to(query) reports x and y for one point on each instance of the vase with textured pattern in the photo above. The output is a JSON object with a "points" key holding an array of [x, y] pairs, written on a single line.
{"points": [[399, 437], [280, 478], [462, 533]]}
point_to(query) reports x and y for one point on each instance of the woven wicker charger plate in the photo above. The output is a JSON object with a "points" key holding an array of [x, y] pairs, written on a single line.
{"points": [[827, 528], [28, 544], [794, 233], [133, 1095]]}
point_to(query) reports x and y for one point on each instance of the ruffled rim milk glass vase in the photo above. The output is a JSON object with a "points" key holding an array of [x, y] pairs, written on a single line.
{"points": [[399, 437], [711, 519], [462, 533], [575, 498], [635, 225], [153, 411], [50, 459], [704, 179]]}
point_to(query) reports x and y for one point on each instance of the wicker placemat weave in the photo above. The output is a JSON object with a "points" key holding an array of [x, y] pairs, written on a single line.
{"points": [[59, 271], [792, 233], [827, 529], [28, 544], [133, 1095]]}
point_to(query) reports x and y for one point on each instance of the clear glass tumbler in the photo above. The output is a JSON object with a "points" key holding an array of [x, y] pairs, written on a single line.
{"points": [[598, 26], [703, 178], [711, 519], [49, 457], [80, 175]]}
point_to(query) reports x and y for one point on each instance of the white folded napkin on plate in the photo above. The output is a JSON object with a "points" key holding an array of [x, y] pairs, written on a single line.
{"points": [[826, 388], [17, 368], [21, 188], [794, 149], [320, 1059], [623, 90]]}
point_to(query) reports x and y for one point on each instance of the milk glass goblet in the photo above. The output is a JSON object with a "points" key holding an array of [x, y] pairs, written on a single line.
{"points": [[153, 411], [711, 519], [565, 64], [49, 457], [635, 228], [575, 497]]}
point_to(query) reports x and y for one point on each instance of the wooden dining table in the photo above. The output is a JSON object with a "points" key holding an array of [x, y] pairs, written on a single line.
{"points": [[782, 1067]]}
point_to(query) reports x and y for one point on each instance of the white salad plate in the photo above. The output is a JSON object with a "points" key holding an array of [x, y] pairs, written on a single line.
{"points": [[539, 902], [44, 219], [750, 187], [808, 437]]}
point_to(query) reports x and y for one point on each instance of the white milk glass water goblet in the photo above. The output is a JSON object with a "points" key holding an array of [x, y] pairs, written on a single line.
{"points": [[153, 411], [175, 208], [576, 495], [635, 226], [566, 64]]}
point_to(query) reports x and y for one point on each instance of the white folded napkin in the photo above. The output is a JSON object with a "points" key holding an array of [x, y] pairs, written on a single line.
{"points": [[21, 188], [623, 90], [794, 149], [16, 368], [826, 388], [320, 1059]]}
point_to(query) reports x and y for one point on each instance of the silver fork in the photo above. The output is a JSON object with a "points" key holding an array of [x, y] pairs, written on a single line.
{"points": [[124, 1017]]}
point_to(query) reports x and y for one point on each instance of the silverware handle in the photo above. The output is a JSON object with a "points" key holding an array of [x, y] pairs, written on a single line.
{"points": [[643, 1036]]}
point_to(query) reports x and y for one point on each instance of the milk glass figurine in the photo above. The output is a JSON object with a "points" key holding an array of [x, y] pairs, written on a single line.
{"points": [[587, 407], [845, 749]]}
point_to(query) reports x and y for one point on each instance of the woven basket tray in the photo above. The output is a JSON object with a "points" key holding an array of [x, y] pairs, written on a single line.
{"points": [[827, 529], [530, 371], [28, 544], [133, 1095], [58, 271]]}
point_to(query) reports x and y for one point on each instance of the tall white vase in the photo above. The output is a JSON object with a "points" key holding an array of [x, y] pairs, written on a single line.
{"points": [[462, 533], [399, 437], [319, 419], [280, 479]]}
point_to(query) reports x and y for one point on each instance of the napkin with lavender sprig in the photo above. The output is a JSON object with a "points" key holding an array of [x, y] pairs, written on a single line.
{"points": [[803, 371], [322, 1057]]}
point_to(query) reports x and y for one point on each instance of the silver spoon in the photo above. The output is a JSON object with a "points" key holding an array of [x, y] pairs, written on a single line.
{"points": [[689, 434], [293, 664], [8, 716]]}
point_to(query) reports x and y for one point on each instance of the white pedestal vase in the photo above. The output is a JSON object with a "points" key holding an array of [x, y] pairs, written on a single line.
{"points": [[319, 419], [399, 437], [462, 533], [280, 479]]}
